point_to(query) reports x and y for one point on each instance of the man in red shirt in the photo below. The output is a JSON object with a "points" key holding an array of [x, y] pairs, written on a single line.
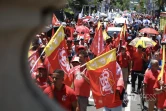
{"points": [[81, 82], [123, 59], [41, 76], [149, 81], [138, 60], [160, 91], [61, 92]]}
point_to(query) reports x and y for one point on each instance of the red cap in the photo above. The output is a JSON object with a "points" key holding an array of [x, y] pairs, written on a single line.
{"points": [[41, 65], [81, 47]]}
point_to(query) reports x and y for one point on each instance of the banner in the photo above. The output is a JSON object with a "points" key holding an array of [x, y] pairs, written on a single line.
{"points": [[56, 52], [102, 75], [97, 45], [32, 58]]}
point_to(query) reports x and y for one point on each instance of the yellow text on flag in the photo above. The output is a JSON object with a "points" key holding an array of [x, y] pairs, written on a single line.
{"points": [[55, 41], [102, 60]]}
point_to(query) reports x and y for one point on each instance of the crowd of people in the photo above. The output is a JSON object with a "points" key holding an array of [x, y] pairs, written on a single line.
{"points": [[140, 62]]}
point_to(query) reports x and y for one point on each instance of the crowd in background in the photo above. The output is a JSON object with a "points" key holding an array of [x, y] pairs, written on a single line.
{"points": [[134, 61]]}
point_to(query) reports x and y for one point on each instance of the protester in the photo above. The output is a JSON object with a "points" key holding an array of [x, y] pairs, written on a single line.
{"points": [[138, 59], [61, 92], [149, 81], [123, 58], [81, 82], [41, 77], [158, 58], [160, 91]]}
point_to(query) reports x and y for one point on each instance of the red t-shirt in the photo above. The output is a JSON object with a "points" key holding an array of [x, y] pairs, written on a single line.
{"points": [[81, 86], [161, 98], [123, 60], [42, 83], [138, 61], [150, 79], [65, 96]]}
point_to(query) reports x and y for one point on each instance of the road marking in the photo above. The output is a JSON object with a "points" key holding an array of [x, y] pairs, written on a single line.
{"points": [[128, 108]]}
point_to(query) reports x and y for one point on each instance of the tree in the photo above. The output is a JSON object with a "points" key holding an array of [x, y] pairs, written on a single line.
{"points": [[160, 4], [141, 6], [121, 4]]}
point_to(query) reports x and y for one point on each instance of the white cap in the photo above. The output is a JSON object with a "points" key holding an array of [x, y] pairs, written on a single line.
{"points": [[75, 59], [81, 37]]}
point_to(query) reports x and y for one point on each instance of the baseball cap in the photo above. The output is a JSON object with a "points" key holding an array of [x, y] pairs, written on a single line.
{"points": [[81, 38], [129, 38], [81, 47], [69, 39], [41, 66], [75, 59], [123, 46]]}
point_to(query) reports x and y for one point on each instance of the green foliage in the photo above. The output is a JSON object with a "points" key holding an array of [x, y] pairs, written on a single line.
{"points": [[141, 4], [121, 4], [160, 4], [77, 4], [68, 10]]}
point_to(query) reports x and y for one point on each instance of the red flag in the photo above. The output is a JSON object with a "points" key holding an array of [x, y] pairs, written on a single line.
{"points": [[69, 32], [33, 56], [55, 21], [97, 45], [56, 53], [102, 75]]}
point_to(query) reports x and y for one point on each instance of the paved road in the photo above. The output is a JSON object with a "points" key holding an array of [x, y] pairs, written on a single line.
{"points": [[133, 105]]}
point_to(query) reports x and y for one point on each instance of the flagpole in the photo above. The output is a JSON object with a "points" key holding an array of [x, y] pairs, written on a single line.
{"points": [[163, 61]]}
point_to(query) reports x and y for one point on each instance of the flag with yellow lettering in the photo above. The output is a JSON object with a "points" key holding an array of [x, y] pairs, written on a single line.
{"points": [[56, 51], [101, 72]]}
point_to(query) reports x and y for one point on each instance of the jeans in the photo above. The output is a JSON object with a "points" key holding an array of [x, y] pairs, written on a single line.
{"points": [[134, 78], [119, 108], [83, 103]]}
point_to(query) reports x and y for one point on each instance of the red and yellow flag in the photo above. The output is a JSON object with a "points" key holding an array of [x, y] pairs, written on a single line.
{"points": [[102, 75], [56, 51]]}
